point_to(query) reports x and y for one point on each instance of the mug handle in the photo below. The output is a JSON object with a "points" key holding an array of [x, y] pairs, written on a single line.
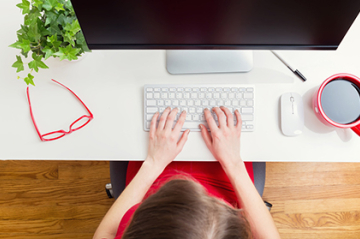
{"points": [[356, 129]]}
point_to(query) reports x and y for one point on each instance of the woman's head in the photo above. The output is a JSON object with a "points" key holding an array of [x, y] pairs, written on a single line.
{"points": [[182, 209]]}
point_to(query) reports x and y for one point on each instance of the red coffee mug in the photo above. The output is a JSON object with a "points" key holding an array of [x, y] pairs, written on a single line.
{"points": [[319, 111]]}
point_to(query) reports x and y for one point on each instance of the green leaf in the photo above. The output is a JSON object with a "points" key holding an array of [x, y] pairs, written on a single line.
{"points": [[54, 28], [25, 45], [67, 53], [50, 17], [59, 7], [81, 43], [34, 33], [38, 4], [53, 41], [25, 6], [31, 18], [18, 64], [29, 79], [49, 4], [73, 28], [36, 63], [16, 45], [48, 52]]}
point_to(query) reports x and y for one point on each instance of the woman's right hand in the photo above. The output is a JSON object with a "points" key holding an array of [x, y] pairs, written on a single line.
{"points": [[224, 140]]}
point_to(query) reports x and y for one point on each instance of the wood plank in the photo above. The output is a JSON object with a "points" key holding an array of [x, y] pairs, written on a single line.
{"points": [[54, 212], [16, 169], [309, 179], [47, 236], [339, 221], [53, 192], [311, 192], [83, 171], [321, 205], [310, 234], [26, 227], [296, 167]]}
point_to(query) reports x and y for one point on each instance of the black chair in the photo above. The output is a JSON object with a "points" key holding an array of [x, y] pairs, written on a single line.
{"points": [[118, 177]]}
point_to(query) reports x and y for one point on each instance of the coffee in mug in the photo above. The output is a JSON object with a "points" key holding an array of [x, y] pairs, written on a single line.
{"points": [[340, 100]]}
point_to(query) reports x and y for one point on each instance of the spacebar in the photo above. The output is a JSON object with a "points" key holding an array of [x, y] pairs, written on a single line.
{"points": [[193, 126]]}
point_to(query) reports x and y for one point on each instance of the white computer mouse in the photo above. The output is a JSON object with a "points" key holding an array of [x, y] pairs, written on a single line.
{"points": [[292, 114]]}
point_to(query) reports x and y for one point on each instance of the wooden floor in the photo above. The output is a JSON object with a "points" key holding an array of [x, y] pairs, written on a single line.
{"points": [[66, 199]]}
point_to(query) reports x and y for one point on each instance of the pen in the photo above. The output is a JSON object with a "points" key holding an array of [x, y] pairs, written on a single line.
{"points": [[295, 71]]}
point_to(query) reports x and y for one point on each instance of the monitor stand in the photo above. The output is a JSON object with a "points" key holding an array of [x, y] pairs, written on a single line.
{"points": [[208, 61]]}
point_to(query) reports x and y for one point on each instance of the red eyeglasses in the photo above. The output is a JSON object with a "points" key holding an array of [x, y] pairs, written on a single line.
{"points": [[76, 125]]}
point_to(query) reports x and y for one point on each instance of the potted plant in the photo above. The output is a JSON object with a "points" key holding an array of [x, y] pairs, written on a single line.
{"points": [[50, 29]]}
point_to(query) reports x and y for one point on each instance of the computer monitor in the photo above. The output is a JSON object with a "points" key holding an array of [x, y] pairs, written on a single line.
{"points": [[216, 29]]}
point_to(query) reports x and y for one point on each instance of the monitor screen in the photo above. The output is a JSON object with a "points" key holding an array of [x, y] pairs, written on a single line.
{"points": [[215, 24]]}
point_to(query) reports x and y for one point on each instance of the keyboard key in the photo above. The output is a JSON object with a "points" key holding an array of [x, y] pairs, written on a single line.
{"points": [[196, 117], [149, 95], [248, 95], [151, 110], [156, 95], [149, 89], [246, 117], [249, 110], [151, 102]]}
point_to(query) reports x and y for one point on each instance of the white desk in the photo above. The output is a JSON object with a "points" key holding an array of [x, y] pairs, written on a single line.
{"points": [[110, 83]]}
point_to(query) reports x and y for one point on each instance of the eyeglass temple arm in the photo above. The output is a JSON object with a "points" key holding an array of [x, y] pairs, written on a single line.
{"points": [[32, 115], [75, 96]]}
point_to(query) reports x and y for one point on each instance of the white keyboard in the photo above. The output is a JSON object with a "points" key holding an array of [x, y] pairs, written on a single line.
{"points": [[195, 98]]}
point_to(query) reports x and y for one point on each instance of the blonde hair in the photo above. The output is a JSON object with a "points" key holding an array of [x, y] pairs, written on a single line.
{"points": [[182, 209]]}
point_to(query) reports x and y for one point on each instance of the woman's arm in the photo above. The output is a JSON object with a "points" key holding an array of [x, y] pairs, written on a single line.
{"points": [[164, 146], [224, 144]]}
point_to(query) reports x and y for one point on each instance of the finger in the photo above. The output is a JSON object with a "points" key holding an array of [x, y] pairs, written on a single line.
{"points": [[153, 124], [210, 120], [239, 121], [163, 118], [179, 124], [229, 116], [221, 116], [206, 136], [170, 119], [182, 141]]}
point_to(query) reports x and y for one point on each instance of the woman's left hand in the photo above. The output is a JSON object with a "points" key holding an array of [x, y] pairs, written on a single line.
{"points": [[164, 142]]}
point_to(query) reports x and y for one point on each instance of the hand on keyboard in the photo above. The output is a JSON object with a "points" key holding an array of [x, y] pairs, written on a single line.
{"points": [[224, 140], [164, 143]]}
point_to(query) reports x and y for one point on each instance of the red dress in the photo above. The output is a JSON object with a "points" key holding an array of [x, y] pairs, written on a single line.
{"points": [[208, 174]]}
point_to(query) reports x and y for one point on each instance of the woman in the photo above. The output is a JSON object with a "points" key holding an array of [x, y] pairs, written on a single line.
{"points": [[185, 205]]}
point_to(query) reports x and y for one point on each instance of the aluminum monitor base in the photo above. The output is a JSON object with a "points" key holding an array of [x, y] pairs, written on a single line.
{"points": [[208, 61]]}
